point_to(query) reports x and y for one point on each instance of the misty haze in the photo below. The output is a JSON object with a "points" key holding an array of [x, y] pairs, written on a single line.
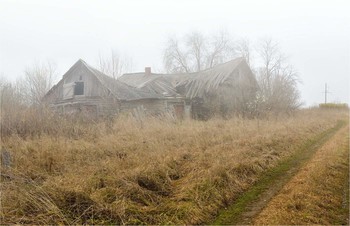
{"points": [[174, 112]]}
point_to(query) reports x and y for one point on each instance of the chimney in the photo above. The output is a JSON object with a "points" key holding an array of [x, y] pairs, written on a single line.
{"points": [[148, 71]]}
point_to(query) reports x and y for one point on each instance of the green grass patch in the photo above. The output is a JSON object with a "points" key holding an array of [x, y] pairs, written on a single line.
{"points": [[279, 174]]}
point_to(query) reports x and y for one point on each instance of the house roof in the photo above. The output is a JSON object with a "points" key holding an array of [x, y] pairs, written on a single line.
{"points": [[196, 84], [164, 84], [203, 82], [119, 89]]}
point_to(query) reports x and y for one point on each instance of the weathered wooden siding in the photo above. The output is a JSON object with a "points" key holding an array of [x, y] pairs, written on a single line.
{"points": [[97, 106], [151, 106], [96, 98], [92, 87], [179, 108], [237, 94], [102, 95], [109, 107], [233, 96]]}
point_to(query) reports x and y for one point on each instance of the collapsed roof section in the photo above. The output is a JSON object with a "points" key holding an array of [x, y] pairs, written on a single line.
{"points": [[163, 84], [121, 90], [193, 85]]}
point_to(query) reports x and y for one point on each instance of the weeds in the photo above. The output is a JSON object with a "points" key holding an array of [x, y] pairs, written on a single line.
{"points": [[161, 173]]}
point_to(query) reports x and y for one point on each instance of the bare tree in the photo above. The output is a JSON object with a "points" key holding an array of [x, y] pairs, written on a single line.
{"points": [[220, 49], [10, 94], [12, 107], [4, 85], [277, 80], [243, 49], [197, 52], [197, 47], [175, 58], [37, 81], [114, 65]]}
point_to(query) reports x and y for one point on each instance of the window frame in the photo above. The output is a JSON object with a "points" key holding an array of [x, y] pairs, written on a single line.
{"points": [[76, 87]]}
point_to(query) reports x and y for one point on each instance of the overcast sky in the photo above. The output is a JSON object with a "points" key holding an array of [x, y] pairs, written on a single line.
{"points": [[314, 34]]}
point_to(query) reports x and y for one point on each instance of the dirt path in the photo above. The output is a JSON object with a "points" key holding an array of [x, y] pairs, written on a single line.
{"points": [[317, 193], [256, 207], [253, 201]]}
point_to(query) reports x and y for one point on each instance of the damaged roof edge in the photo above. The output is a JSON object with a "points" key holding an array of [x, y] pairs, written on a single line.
{"points": [[196, 83], [119, 89]]}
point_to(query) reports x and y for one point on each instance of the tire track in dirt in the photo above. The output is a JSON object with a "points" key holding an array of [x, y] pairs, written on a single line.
{"points": [[315, 195], [255, 199]]}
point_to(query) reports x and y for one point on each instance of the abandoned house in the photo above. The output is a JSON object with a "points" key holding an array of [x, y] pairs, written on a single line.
{"points": [[226, 88], [87, 91]]}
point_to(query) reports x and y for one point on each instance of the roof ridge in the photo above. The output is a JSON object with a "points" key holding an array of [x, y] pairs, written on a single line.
{"points": [[188, 73]]}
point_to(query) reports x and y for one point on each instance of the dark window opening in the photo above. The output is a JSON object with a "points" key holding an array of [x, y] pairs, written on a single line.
{"points": [[79, 88], [80, 77]]}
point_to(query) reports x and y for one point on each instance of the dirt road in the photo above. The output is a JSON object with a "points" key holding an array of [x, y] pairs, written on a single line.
{"points": [[279, 192]]}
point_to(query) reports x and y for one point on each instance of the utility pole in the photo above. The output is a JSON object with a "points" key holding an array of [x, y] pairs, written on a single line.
{"points": [[325, 93]]}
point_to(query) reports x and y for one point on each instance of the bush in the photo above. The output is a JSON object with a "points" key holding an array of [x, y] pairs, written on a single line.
{"points": [[339, 106]]}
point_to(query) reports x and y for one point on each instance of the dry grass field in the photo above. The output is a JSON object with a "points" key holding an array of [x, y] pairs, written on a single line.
{"points": [[150, 172]]}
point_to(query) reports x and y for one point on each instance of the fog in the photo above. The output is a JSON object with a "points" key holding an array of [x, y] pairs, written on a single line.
{"points": [[314, 35]]}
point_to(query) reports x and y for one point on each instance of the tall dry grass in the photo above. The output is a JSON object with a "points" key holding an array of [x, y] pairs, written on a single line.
{"points": [[151, 172], [318, 193]]}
